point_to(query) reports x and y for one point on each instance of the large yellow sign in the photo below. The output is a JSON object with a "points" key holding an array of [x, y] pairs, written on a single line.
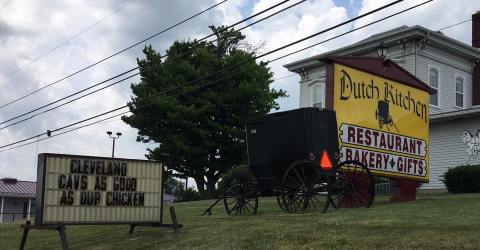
{"points": [[382, 123], [89, 190]]}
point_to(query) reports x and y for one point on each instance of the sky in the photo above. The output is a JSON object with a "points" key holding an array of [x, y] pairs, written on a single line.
{"points": [[30, 29]]}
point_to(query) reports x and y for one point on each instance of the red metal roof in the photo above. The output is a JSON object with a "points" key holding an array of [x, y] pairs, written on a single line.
{"points": [[381, 67], [17, 189]]}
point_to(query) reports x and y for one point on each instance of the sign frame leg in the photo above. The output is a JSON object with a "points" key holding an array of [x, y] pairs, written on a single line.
{"points": [[23, 241], [132, 227], [63, 236], [174, 220], [59, 227]]}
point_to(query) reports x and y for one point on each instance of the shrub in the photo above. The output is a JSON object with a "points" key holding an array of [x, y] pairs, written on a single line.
{"points": [[463, 179], [238, 174], [188, 195]]}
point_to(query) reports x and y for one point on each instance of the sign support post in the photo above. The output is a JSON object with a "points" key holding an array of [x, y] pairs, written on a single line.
{"points": [[404, 190]]}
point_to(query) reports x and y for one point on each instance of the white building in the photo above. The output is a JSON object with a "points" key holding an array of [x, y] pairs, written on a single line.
{"points": [[17, 199], [447, 65]]}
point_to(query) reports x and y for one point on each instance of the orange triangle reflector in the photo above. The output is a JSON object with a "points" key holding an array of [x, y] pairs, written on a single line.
{"points": [[325, 162]]}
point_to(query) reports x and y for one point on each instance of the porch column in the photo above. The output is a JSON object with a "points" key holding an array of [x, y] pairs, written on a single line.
{"points": [[29, 205], [1, 210]]}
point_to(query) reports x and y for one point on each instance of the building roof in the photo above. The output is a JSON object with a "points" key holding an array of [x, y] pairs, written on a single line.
{"points": [[168, 198], [10, 187], [381, 67], [474, 111], [389, 38]]}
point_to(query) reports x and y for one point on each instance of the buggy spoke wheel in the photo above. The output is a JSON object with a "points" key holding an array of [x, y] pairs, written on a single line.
{"points": [[241, 199], [304, 188], [280, 203], [352, 186]]}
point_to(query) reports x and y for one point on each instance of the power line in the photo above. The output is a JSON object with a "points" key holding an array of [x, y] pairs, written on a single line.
{"points": [[105, 120], [110, 56], [130, 70], [446, 27], [283, 77], [19, 68], [278, 58], [305, 48], [353, 30], [71, 95], [270, 52], [220, 71], [261, 12], [68, 102]]}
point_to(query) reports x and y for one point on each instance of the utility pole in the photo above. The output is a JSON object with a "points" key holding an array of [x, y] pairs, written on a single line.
{"points": [[109, 133]]}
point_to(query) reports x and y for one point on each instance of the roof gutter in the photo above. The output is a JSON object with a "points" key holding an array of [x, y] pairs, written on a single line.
{"points": [[454, 115]]}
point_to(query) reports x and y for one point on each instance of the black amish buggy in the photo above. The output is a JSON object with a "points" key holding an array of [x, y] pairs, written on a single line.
{"points": [[294, 156]]}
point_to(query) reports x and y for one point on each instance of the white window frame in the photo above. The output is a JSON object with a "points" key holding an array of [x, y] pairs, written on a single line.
{"points": [[437, 68], [312, 86], [456, 76]]}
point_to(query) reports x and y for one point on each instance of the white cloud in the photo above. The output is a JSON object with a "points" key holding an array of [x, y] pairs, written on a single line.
{"points": [[30, 28]]}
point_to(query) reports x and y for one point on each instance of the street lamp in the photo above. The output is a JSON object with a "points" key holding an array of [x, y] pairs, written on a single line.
{"points": [[382, 50], [109, 133]]}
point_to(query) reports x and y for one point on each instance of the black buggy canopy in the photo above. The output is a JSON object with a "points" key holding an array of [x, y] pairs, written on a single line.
{"points": [[277, 140]]}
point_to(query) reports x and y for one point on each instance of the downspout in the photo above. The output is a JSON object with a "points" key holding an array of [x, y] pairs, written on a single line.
{"points": [[29, 206], [1, 210]]}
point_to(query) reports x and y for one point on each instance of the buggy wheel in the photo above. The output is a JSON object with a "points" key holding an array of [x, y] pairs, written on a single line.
{"points": [[352, 186], [304, 188], [280, 202], [241, 199]]}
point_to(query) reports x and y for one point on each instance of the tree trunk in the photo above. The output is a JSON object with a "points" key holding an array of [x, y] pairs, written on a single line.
{"points": [[212, 180], [200, 184], [211, 189]]}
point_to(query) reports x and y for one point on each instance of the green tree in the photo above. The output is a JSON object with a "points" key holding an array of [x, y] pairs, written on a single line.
{"points": [[200, 133], [173, 186]]}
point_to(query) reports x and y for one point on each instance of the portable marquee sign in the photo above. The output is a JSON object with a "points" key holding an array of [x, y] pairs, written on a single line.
{"points": [[88, 190], [93, 190], [382, 116]]}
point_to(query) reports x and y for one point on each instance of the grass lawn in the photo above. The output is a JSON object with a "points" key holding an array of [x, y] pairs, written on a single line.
{"points": [[432, 222]]}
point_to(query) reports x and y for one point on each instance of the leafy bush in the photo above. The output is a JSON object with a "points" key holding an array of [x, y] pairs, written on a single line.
{"points": [[238, 174], [188, 195], [463, 179]]}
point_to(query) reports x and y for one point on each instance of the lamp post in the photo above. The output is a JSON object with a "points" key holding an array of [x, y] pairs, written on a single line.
{"points": [[382, 50], [109, 133]]}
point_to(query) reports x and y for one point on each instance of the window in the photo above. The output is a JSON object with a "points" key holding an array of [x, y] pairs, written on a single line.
{"points": [[318, 97], [433, 82], [459, 92]]}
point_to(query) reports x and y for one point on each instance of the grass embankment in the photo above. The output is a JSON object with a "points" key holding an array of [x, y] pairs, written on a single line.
{"points": [[432, 222]]}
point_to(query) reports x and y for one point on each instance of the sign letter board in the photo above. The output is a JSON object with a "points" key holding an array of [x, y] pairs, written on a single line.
{"points": [[96, 190], [382, 123]]}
